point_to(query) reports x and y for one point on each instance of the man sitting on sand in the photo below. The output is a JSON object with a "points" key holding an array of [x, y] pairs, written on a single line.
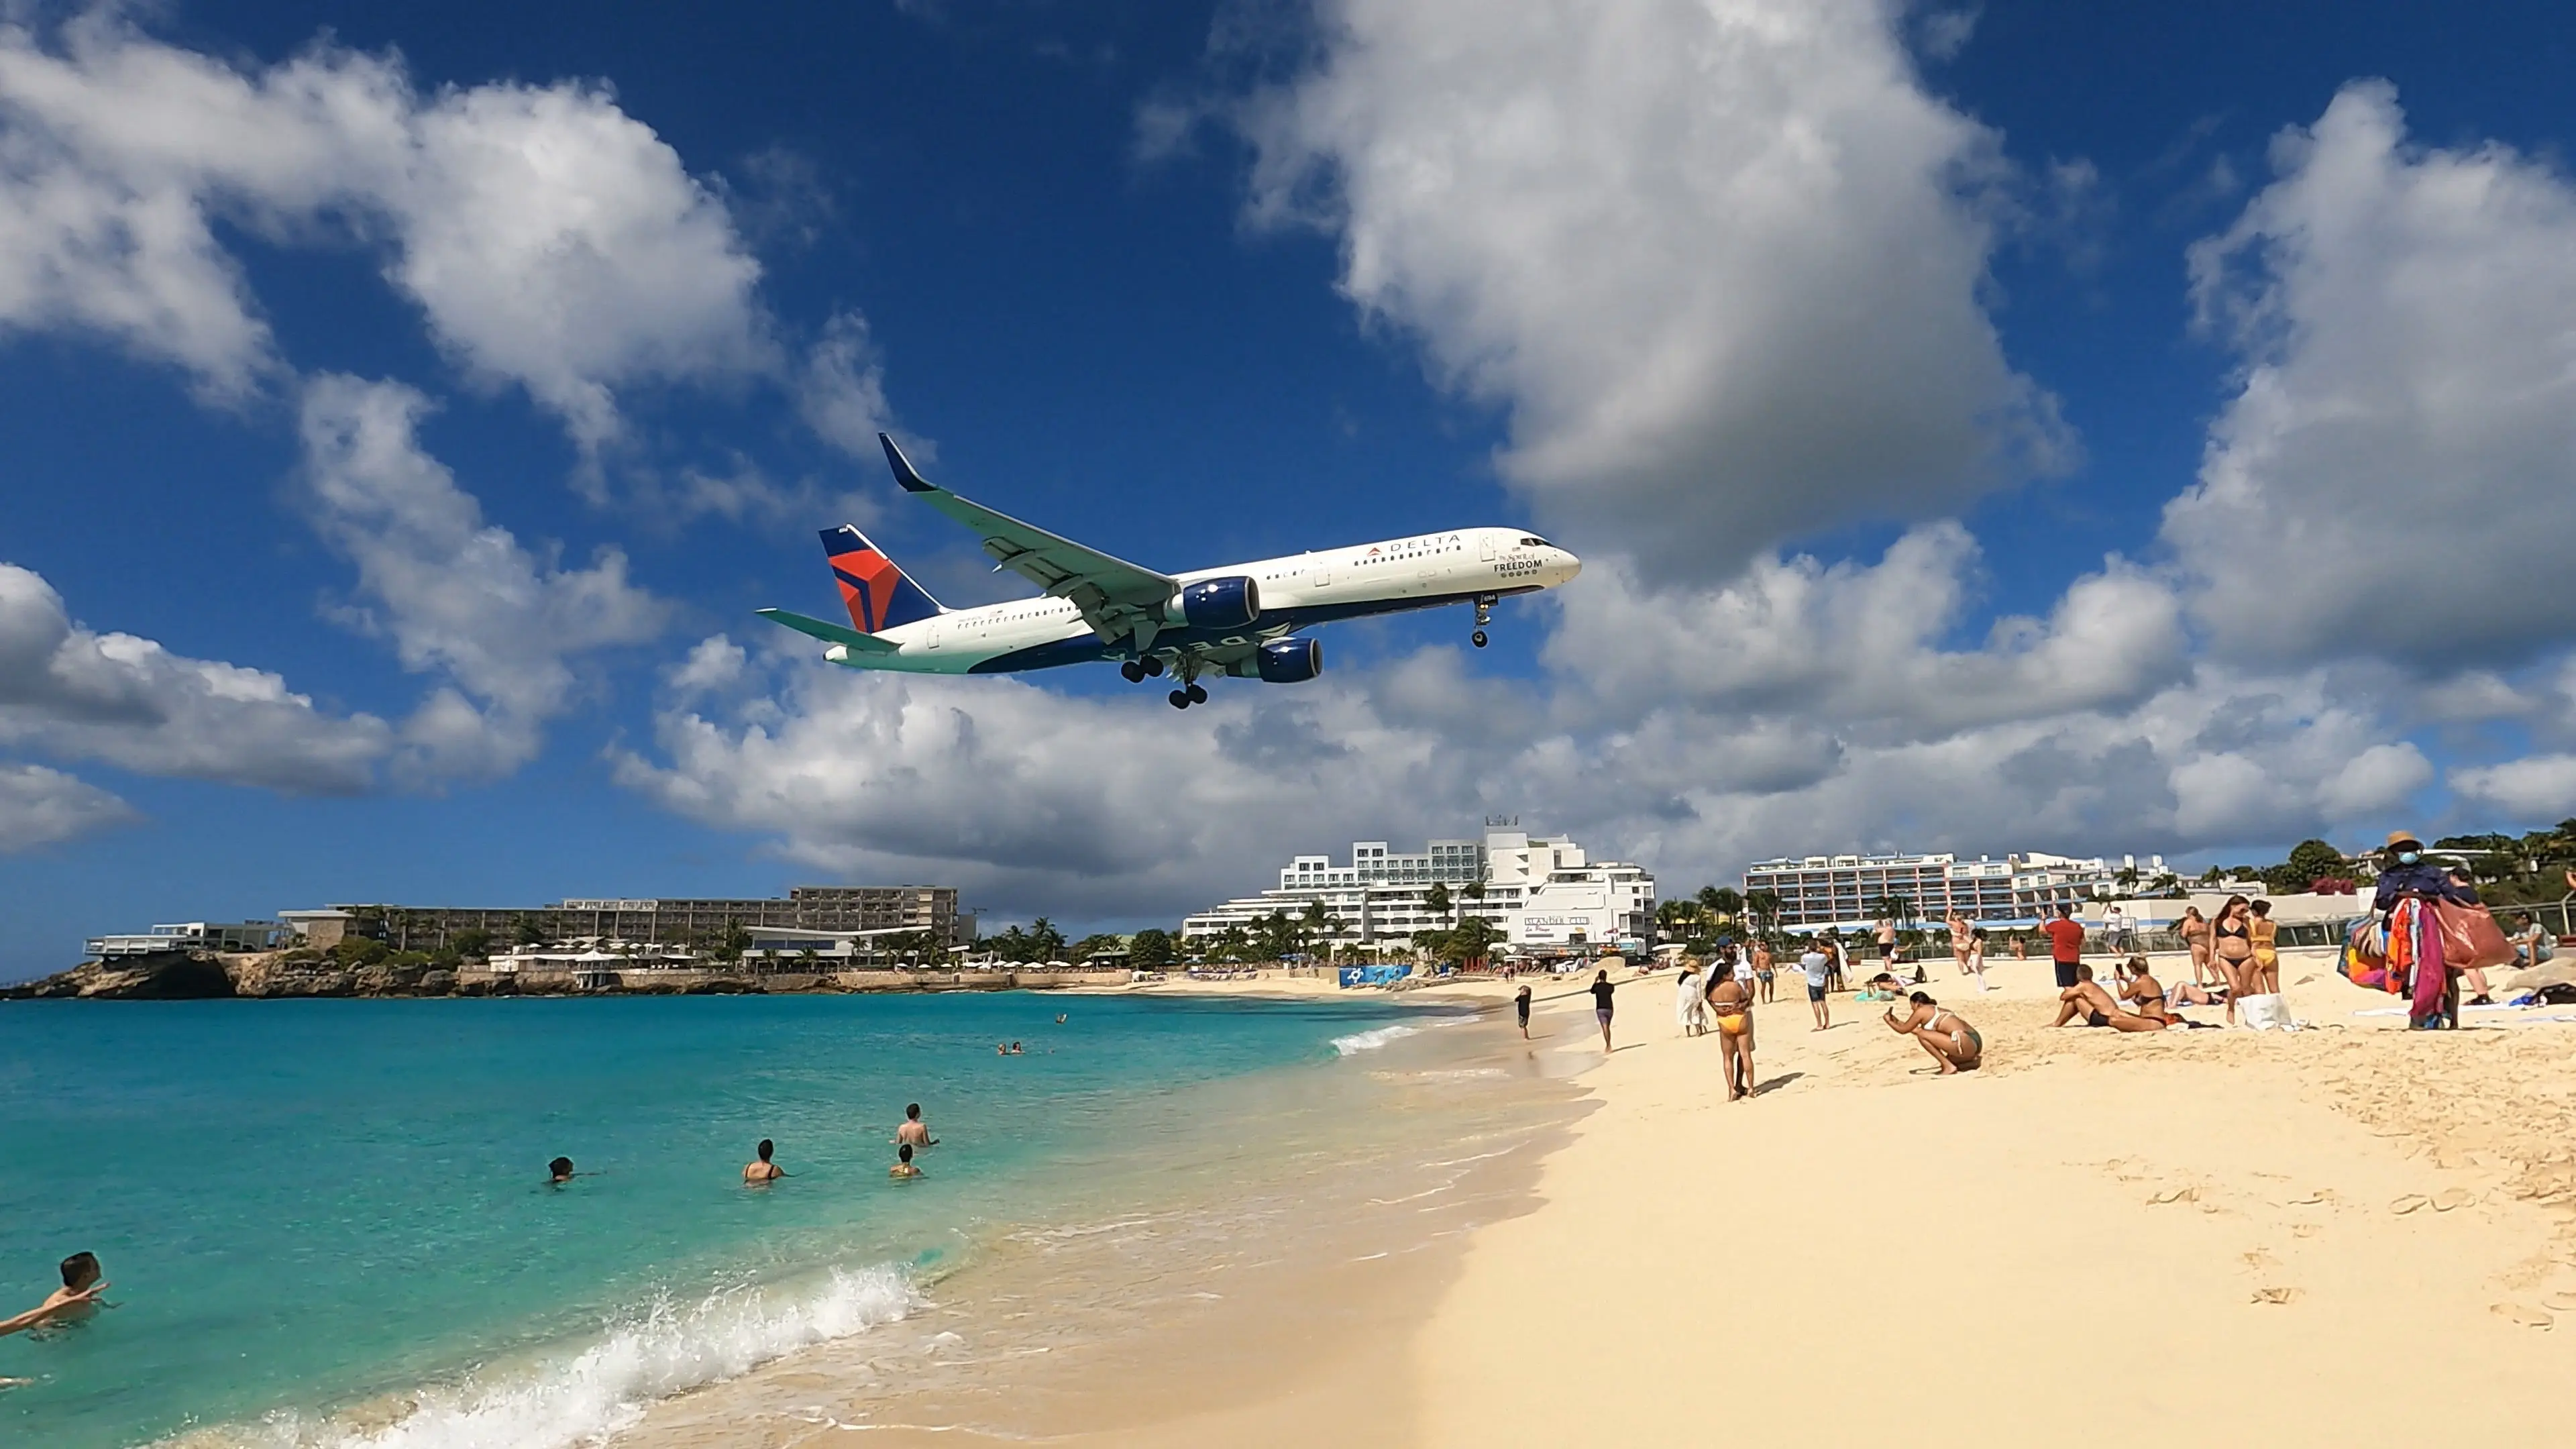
{"points": [[903, 1163], [760, 1171], [914, 1132], [2086, 999], [1951, 1041], [75, 1300]]}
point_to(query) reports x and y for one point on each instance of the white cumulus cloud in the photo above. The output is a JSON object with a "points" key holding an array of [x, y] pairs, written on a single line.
{"points": [[457, 594], [2392, 475], [39, 807], [1718, 260]]}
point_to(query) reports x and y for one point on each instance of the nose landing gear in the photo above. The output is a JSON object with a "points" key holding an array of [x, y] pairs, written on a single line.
{"points": [[1484, 615]]}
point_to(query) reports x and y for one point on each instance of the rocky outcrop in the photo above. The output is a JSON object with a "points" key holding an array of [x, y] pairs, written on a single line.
{"points": [[203, 975], [161, 976]]}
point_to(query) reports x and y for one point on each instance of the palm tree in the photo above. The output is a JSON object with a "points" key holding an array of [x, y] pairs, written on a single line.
{"points": [[1719, 902], [1763, 906], [1436, 900]]}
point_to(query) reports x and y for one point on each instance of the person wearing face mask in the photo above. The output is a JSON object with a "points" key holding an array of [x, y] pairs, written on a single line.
{"points": [[2407, 890]]}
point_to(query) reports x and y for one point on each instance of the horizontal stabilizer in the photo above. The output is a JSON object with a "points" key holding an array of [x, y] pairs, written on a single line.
{"points": [[831, 633]]}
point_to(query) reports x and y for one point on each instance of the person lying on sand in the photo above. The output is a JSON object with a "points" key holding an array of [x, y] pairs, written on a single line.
{"points": [[1952, 1042], [2086, 1000], [75, 1300]]}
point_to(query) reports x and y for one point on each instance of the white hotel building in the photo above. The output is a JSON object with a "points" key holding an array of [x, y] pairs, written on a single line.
{"points": [[1544, 893], [1843, 890]]}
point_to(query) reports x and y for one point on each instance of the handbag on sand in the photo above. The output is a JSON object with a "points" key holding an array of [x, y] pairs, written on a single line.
{"points": [[2471, 939], [2269, 1011]]}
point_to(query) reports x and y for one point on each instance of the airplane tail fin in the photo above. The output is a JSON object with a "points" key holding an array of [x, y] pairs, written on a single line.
{"points": [[879, 594]]}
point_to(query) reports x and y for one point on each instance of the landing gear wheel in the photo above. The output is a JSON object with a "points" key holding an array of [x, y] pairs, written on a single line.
{"points": [[1197, 693], [1479, 637], [1134, 671], [1180, 700], [1152, 664]]}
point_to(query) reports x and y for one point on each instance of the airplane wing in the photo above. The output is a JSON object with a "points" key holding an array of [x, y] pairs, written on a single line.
{"points": [[1115, 596], [831, 633]]}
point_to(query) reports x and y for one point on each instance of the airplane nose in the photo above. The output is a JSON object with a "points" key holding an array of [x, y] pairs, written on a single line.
{"points": [[1567, 565]]}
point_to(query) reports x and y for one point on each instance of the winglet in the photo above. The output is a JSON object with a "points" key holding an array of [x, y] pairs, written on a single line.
{"points": [[904, 472]]}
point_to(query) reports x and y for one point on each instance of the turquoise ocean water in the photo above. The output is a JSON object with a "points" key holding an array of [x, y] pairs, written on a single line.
{"points": [[309, 1206]]}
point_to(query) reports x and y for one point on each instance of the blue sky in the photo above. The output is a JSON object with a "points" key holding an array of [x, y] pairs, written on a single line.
{"points": [[1995, 428]]}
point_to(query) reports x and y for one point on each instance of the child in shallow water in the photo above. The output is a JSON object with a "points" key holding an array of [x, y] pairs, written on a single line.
{"points": [[903, 1163]]}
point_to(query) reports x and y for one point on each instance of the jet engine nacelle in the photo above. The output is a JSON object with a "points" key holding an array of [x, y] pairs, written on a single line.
{"points": [[1228, 603], [1290, 661]]}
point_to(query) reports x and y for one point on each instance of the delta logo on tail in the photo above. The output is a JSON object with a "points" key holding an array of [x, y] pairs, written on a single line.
{"points": [[874, 588]]}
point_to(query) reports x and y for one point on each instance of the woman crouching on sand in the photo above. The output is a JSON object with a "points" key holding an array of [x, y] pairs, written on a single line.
{"points": [[1951, 1041]]}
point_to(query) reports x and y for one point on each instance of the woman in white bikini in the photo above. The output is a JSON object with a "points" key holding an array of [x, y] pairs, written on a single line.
{"points": [[1951, 1041]]}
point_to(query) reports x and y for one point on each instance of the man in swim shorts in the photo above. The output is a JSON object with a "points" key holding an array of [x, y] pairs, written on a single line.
{"points": [[2088, 1002], [1818, 966], [75, 1300], [1520, 1008]]}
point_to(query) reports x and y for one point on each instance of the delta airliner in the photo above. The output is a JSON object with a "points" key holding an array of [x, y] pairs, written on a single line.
{"points": [[1241, 620]]}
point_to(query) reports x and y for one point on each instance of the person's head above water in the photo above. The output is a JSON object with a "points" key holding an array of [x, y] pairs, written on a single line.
{"points": [[904, 1153], [560, 1168], [765, 1148], [912, 1112], [80, 1270]]}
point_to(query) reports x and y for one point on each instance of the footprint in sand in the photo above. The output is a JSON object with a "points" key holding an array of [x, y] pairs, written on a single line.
{"points": [[2304, 1230], [2561, 1302], [2451, 1198], [2517, 1313], [2276, 1295], [2179, 1194], [2409, 1203], [2319, 1195]]}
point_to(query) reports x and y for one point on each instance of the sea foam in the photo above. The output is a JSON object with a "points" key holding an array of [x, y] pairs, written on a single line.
{"points": [[597, 1390], [1369, 1041]]}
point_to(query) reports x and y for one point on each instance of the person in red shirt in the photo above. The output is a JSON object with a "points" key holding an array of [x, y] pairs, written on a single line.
{"points": [[2065, 944]]}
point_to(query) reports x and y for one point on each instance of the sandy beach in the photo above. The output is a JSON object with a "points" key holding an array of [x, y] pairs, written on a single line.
{"points": [[2350, 1234]]}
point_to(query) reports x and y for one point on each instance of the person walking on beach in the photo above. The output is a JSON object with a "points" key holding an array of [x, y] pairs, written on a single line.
{"points": [[914, 1132], [1886, 944], [2065, 944], [1951, 1041], [2195, 938], [1977, 956], [1959, 941], [2265, 963], [2232, 949], [760, 1171], [1818, 966], [1762, 965], [1520, 1008], [1688, 1009], [1601, 989], [1732, 1001], [75, 1300], [2115, 926]]}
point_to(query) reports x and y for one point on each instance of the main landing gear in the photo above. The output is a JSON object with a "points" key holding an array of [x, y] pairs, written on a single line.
{"points": [[1484, 615], [1188, 695], [1140, 670]]}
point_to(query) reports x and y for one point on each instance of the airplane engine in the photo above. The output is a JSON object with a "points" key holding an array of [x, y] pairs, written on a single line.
{"points": [[1290, 661], [1230, 603]]}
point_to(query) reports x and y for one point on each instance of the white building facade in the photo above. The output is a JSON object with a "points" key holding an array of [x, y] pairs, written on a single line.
{"points": [[189, 936], [1844, 890], [1543, 892]]}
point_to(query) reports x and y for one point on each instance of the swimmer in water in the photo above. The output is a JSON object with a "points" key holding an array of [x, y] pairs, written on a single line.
{"points": [[75, 1300], [762, 1172], [1015, 1049], [1059, 1018], [903, 1163], [914, 1132], [560, 1172]]}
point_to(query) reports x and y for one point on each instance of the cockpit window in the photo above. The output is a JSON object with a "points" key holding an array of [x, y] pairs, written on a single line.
{"points": [[1536, 543]]}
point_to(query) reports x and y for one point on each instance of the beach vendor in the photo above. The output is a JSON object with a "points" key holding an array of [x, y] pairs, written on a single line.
{"points": [[2408, 889]]}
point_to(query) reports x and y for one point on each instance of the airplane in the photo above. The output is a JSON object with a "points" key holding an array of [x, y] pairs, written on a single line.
{"points": [[1240, 621]]}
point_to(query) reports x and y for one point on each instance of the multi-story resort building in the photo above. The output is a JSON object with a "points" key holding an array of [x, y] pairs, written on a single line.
{"points": [[1543, 892], [809, 916], [1845, 890], [189, 936]]}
